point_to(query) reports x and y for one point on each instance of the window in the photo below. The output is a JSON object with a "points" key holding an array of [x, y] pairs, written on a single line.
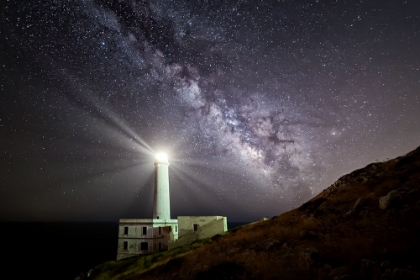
{"points": [[196, 226], [125, 230], [144, 230], [176, 228], [160, 230], [125, 245], [144, 246]]}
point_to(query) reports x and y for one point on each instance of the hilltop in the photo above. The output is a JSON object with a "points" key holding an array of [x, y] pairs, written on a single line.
{"points": [[364, 226]]}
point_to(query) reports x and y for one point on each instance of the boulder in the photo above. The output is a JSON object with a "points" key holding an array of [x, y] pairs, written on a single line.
{"points": [[392, 199], [310, 256]]}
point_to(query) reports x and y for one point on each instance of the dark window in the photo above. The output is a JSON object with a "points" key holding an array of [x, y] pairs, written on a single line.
{"points": [[196, 226], [157, 217], [125, 230], [125, 245], [160, 230], [144, 230], [144, 246], [176, 228]]}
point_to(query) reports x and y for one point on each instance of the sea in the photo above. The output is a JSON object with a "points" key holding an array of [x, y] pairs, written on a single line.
{"points": [[59, 250]]}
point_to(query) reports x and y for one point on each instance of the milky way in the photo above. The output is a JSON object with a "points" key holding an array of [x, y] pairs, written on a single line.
{"points": [[260, 104]]}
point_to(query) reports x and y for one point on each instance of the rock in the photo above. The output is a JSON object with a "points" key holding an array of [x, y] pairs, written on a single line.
{"points": [[385, 264], [362, 179], [271, 243], [383, 250], [289, 256], [309, 261], [364, 213], [390, 200], [175, 276], [311, 250], [360, 203], [310, 256], [388, 272], [284, 248], [413, 192], [338, 272], [246, 253], [399, 273], [365, 263], [232, 251]]}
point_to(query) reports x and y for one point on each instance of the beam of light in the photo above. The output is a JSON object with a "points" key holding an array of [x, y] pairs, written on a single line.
{"points": [[106, 115], [188, 172], [142, 144], [123, 141], [186, 165], [200, 187], [109, 115]]}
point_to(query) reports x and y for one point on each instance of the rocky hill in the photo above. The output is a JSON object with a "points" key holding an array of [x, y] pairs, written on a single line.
{"points": [[364, 226]]}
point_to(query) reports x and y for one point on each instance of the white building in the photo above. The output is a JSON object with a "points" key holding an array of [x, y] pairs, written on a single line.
{"points": [[142, 236]]}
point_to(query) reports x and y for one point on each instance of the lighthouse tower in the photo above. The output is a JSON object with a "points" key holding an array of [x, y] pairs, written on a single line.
{"points": [[161, 207]]}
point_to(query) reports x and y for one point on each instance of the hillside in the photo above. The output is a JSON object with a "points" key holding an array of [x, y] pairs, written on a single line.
{"points": [[364, 226]]}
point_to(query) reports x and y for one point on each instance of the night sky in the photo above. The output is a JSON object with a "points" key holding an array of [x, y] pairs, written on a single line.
{"points": [[259, 105]]}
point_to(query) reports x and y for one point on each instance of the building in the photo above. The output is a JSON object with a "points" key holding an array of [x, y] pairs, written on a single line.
{"points": [[142, 236], [192, 228], [160, 233]]}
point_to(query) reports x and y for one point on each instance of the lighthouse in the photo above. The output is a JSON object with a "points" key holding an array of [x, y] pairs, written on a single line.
{"points": [[162, 206], [160, 232]]}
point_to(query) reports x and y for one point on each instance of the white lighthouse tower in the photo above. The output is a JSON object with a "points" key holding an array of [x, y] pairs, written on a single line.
{"points": [[162, 205]]}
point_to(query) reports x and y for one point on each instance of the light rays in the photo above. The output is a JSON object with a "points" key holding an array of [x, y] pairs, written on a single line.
{"points": [[103, 120]]}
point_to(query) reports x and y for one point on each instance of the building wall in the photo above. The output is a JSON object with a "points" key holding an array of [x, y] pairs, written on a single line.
{"points": [[187, 223], [142, 236], [206, 226]]}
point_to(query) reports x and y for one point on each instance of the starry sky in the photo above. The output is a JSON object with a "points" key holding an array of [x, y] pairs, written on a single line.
{"points": [[260, 105]]}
